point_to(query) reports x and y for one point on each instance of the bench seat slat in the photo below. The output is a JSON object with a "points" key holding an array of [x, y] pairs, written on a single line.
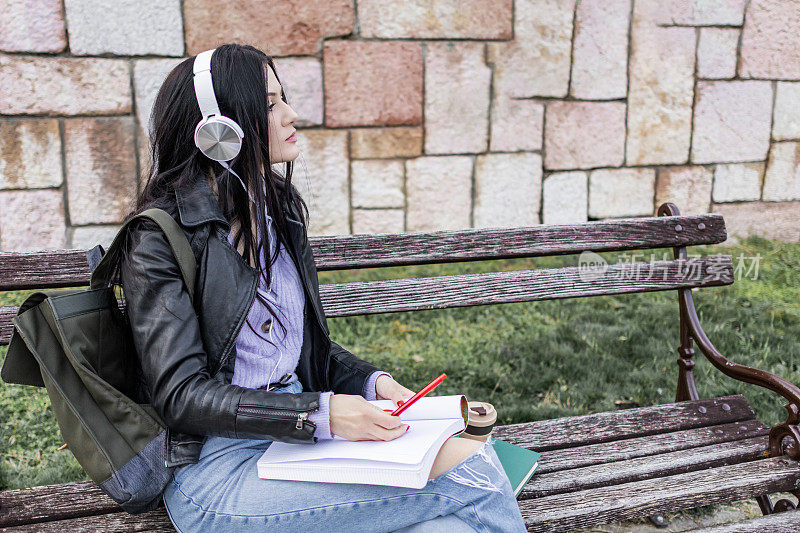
{"points": [[557, 433], [64, 268], [630, 448], [651, 466], [783, 522], [636, 499], [460, 290], [49, 502], [156, 521]]}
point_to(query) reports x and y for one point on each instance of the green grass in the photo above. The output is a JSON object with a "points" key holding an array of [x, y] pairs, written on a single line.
{"points": [[533, 360]]}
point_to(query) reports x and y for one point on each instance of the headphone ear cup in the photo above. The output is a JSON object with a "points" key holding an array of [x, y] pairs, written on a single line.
{"points": [[218, 137]]}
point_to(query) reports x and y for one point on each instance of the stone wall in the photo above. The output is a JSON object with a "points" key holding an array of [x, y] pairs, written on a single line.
{"points": [[422, 114]]}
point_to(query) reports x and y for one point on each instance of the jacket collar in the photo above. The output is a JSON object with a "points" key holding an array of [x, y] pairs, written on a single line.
{"points": [[197, 204]]}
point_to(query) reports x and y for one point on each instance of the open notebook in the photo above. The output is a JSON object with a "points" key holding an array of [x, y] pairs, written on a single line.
{"points": [[403, 462]]}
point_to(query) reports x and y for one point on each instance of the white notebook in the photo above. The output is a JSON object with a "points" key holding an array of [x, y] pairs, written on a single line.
{"points": [[403, 462]]}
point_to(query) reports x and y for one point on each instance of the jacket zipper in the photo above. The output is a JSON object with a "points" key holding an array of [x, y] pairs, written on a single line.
{"points": [[302, 416], [166, 447]]}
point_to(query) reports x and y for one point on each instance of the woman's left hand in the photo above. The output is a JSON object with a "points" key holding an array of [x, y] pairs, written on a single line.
{"points": [[387, 388]]}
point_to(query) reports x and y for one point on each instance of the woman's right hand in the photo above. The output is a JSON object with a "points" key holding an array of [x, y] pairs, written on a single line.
{"points": [[354, 418]]}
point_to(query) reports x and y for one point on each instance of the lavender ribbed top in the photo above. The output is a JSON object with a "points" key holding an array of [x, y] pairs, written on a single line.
{"points": [[266, 354]]}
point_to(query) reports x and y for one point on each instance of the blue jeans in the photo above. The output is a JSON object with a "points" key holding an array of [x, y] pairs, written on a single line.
{"points": [[222, 492]]}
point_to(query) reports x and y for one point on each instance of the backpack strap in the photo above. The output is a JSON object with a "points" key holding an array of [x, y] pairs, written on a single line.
{"points": [[177, 240], [94, 255]]}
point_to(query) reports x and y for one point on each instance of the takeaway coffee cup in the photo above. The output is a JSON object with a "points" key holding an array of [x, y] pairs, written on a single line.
{"points": [[482, 417]]}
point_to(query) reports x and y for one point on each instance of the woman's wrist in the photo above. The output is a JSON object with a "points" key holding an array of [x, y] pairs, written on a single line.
{"points": [[322, 416], [369, 393]]}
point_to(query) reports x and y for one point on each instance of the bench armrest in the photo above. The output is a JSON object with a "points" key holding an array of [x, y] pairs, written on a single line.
{"points": [[748, 374], [784, 437]]}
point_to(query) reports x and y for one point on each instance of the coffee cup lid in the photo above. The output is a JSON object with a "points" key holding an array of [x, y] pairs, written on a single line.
{"points": [[481, 414]]}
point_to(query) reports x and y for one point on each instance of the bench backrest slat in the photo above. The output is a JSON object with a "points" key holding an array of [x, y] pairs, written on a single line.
{"points": [[416, 247], [65, 268], [45, 269], [460, 290], [414, 294]]}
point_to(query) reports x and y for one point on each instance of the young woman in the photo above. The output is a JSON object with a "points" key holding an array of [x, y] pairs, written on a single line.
{"points": [[249, 359]]}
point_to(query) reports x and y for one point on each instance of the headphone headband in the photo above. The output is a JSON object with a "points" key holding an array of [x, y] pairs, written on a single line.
{"points": [[217, 136], [203, 86]]}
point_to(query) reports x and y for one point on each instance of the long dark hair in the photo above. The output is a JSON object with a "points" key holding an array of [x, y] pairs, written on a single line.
{"points": [[240, 84]]}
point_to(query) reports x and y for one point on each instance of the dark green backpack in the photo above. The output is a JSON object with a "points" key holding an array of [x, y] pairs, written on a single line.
{"points": [[79, 346]]}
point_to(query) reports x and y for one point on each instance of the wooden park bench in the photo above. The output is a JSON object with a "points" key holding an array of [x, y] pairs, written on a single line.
{"points": [[595, 468]]}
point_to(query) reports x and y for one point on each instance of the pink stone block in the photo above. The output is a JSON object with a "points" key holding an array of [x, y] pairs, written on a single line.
{"points": [[422, 19], [687, 187], [32, 220], [32, 26], [64, 85], [661, 88], [584, 134], [770, 44], [372, 83], [456, 98], [699, 12], [621, 192], [565, 198], [599, 67], [517, 124], [782, 178], [101, 169], [301, 78], [377, 143], [278, 27], [716, 53], [378, 220], [731, 121], [429, 180], [537, 61], [771, 220], [30, 154]]}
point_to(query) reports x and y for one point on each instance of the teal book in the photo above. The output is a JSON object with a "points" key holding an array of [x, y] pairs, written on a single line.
{"points": [[518, 462]]}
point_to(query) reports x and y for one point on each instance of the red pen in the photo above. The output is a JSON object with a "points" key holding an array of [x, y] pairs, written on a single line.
{"points": [[425, 390]]}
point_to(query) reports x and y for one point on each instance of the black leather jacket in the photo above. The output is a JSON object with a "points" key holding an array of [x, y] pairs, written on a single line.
{"points": [[187, 353]]}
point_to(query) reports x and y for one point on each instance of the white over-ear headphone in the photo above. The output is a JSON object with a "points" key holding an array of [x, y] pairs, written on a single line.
{"points": [[217, 136]]}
